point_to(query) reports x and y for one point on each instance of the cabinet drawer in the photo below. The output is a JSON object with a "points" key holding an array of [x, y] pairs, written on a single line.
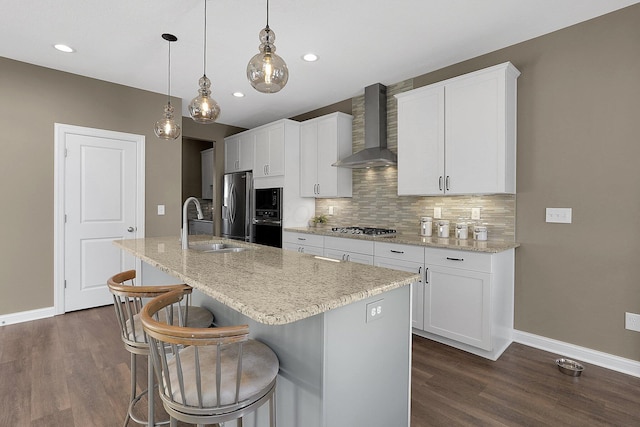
{"points": [[303, 239], [349, 245], [400, 252], [465, 260]]}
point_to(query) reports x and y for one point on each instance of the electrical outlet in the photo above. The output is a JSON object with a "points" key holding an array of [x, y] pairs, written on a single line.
{"points": [[331, 210], [437, 213], [632, 322], [475, 213], [375, 310]]}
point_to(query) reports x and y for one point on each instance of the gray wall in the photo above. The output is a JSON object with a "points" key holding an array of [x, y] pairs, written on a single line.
{"points": [[33, 99]]}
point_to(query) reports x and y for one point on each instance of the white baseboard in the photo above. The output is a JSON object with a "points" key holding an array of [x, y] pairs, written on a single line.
{"points": [[25, 316], [582, 354]]}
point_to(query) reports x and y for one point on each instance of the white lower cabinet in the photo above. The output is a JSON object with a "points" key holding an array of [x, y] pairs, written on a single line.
{"points": [[304, 243], [406, 258], [360, 251], [468, 300]]}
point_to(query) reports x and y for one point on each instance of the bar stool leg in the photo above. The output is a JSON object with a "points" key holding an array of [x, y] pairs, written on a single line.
{"points": [[150, 393]]}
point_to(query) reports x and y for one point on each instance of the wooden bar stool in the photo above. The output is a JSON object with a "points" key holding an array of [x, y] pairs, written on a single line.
{"points": [[128, 302], [208, 376]]}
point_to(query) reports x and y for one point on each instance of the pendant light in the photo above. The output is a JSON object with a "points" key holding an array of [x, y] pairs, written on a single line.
{"points": [[267, 72], [204, 109], [167, 128]]}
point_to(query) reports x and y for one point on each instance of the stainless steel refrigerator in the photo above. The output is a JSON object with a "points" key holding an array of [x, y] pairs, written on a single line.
{"points": [[237, 206]]}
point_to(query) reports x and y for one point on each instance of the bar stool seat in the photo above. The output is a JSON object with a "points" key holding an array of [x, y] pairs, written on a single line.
{"points": [[208, 376], [128, 302]]}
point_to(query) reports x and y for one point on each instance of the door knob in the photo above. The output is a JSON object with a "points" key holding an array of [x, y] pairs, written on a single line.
{"points": [[131, 229]]}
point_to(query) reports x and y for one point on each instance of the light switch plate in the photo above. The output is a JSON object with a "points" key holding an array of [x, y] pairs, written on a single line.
{"points": [[560, 215], [160, 209]]}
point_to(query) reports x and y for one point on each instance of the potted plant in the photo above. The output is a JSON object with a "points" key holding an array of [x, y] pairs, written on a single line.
{"points": [[320, 219]]}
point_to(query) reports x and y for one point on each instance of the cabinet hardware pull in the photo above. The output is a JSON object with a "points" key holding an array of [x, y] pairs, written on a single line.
{"points": [[301, 238], [455, 259], [348, 256], [396, 252], [426, 276], [440, 183], [318, 189], [447, 182], [420, 273]]}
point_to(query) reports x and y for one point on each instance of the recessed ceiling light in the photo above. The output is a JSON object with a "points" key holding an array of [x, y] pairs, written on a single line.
{"points": [[64, 48], [310, 57], [238, 94]]}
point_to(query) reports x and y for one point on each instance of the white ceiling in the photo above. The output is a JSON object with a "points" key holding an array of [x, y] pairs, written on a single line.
{"points": [[359, 42]]}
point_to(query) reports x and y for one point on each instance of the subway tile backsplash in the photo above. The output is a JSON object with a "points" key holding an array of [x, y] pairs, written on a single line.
{"points": [[375, 201]]}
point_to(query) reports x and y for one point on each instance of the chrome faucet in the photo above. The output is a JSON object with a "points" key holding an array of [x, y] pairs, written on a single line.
{"points": [[185, 225]]}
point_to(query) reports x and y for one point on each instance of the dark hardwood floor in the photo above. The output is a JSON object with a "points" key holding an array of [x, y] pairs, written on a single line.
{"points": [[73, 370]]}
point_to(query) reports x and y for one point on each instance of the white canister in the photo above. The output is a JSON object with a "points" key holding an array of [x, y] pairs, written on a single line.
{"points": [[480, 232], [426, 226], [443, 228], [462, 230]]}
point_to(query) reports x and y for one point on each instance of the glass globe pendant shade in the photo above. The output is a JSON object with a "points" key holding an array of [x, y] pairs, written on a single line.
{"points": [[266, 71], [167, 128], [203, 108]]}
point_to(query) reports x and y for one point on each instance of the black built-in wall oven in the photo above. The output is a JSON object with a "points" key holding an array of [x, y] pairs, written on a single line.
{"points": [[267, 218]]}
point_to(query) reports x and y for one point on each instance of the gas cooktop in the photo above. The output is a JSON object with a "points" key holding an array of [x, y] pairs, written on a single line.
{"points": [[369, 231]]}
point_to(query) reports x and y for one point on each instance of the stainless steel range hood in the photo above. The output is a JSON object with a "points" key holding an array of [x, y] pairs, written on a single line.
{"points": [[375, 151]]}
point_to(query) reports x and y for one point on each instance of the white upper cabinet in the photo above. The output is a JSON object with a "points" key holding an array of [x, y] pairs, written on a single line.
{"points": [[269, 151], [238, 152], [459, 136], [323, 141]]}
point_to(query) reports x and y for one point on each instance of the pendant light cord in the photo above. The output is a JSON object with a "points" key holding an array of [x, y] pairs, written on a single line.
{"points": [[267, 13], [204, 66], [169, 73]]}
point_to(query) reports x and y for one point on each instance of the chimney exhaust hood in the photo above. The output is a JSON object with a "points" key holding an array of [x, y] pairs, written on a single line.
{"points": [[375, 151]]}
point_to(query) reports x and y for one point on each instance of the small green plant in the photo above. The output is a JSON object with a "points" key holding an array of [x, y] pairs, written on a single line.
{"points": [[320, 219]]}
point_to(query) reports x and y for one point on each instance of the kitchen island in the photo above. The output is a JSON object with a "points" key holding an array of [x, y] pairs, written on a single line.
{"points": [[342, 331]]}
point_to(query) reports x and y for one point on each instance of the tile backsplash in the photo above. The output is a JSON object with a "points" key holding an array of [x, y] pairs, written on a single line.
{"points": [[375, 201]]}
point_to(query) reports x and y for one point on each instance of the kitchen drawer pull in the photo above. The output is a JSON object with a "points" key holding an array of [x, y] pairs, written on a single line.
{"points": [[447, 183], [396, 252], [301, 238], [420, 273], [440, 183], [455, 259]]}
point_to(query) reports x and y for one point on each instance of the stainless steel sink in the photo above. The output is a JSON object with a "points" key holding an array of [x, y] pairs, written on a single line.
{"points": [[216, 247]]}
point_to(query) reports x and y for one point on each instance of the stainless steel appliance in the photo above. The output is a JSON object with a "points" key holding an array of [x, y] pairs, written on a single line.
{"points": [[237, 206], [267, 218], [368, 231]]}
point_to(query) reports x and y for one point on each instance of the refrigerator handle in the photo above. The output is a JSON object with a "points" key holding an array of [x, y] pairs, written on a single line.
{"points": [[232, 203]]}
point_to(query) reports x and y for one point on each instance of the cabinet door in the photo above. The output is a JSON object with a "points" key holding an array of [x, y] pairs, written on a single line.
{"points": [[327, 155], [308, 159], [276, 150], [261, 153], [457, 305], [206, 158], [245, 151], [421, 142], [475, 129], [231, 154], [417, 288]]}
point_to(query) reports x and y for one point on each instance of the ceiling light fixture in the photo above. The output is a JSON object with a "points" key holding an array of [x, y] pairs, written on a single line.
{"points": [[204, 109], [64, 48], [267, 72], [167, 128], [310, 57]]}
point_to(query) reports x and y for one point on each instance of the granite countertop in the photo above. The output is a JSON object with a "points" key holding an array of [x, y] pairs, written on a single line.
{"points": [[269, 285], [489, 246]]}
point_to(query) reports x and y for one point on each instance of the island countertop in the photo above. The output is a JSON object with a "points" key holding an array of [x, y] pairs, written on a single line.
{"points": [[269, 285]]}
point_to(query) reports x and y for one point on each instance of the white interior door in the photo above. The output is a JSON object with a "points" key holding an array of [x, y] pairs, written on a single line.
{"points": [[100, 205]]}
